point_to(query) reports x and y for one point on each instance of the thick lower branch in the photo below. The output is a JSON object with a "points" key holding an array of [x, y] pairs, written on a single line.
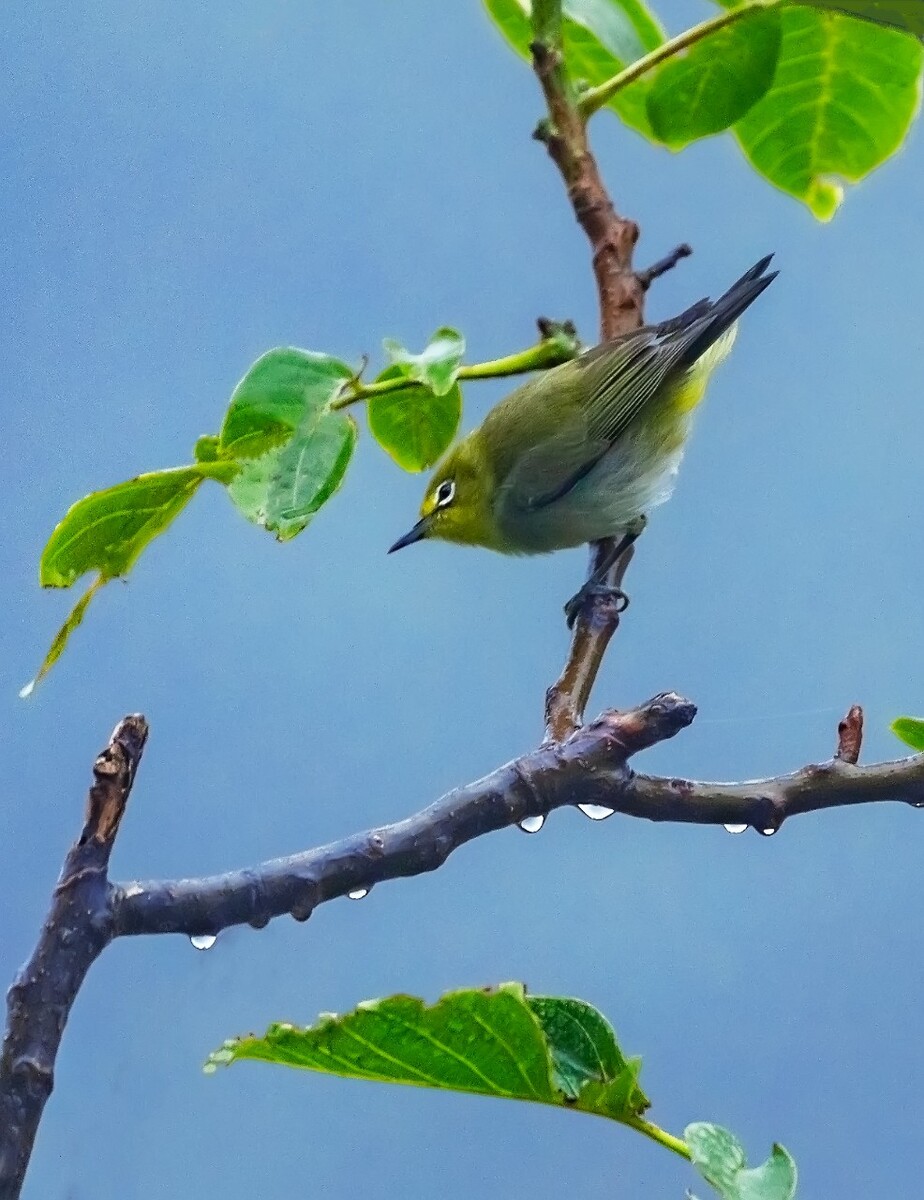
{"points": [[589, 769]]}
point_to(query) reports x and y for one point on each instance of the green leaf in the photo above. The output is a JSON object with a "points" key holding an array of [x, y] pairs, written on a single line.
{"points": [[284, 488], [414, 425], [282, 389], [106, 531], [843, 98], [720, 1159], [715, 83], [910, 730], [581, 1042], [437, 364], [207, 448], [60, 640], [469, 1041], [899, 14], [601, 38], [495, 1042]]}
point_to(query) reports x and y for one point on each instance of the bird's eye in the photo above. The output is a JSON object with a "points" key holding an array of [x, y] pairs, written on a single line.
{"points": [[445, 493]]}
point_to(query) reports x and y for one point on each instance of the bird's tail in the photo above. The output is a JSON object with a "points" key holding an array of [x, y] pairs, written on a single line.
{"points": [[704, 324]]}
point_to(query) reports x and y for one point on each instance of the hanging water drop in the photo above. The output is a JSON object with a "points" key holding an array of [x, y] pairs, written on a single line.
{"points": [[918, 804], [768, 832], [358, 893], [596, 812], [203, 941], [532, 824], [735, 828]]}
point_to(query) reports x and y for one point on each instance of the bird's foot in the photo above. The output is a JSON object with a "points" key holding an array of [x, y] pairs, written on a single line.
{"points": [[595, 591]]}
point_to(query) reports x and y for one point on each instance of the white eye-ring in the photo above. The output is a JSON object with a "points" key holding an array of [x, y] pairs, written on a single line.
{"points": [[445, 493]]}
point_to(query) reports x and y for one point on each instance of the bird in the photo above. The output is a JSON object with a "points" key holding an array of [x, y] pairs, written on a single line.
{"points": [[583, 451]]}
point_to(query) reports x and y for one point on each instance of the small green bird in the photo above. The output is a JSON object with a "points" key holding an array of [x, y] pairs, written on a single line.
{"points": [[584, 450]]}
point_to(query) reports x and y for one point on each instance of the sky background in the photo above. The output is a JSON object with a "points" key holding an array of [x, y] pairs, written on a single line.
{"points": [[185, 186]]}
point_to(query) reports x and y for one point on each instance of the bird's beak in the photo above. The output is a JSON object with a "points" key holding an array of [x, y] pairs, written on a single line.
{"points": [[420, 530]]}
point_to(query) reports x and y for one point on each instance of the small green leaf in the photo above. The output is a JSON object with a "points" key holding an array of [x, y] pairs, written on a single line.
{"points": [[496, 1041], [714, 84], [581, 1041], [207, 448], [284, 488], [910, 730], [413, 425], [106, 531], [843, 98], [282, 389], [601, 38], [720, 1159], [437, 364]]}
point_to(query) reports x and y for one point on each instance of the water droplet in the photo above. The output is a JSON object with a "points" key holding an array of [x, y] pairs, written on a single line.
{"points": [[769, 832], [532, 824], [596, 812], [26, 692], [919, 804], [735, 828], [358, 893], [203, 941]]}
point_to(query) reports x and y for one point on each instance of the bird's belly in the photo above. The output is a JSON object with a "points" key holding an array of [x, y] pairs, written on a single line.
{"points": [[629, 480]]}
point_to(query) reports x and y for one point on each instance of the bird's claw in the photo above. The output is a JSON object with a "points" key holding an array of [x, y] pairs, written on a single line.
{"points": [[595, 591]]}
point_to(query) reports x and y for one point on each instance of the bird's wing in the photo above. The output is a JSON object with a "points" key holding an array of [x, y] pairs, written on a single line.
{"points": [[605, 391], [610, 386]]}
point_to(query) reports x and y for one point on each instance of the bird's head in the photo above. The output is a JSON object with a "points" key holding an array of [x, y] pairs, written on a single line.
{"points": [[457, 503]]}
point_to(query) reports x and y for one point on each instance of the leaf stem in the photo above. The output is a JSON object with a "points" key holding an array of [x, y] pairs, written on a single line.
{"points": [[661, 1136], [550, 352], [596, 97]]}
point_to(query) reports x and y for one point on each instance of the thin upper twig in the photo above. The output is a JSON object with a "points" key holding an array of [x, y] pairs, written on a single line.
{"points": [[621, 299]]}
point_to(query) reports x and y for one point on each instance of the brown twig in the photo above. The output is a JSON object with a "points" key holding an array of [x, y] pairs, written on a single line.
{"points": [[647, 277], [76, 931], [850, 736], [566, 700], [621, 299]]}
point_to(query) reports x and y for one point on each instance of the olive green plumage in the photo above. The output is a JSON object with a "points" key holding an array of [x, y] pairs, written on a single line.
{"points": [[582, 451]]}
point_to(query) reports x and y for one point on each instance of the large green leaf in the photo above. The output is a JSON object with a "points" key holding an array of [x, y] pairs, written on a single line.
{"points": [[436, 366], [714, 84], [106, 531], [900, 14], [282, 390], [720, 1158], [910, 730], [843, 98], [285, 487], [601, 38], [413, 424], [496, 1042]]}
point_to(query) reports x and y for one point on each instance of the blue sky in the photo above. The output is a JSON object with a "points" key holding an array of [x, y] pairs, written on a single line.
{"points": [[184, 188]]}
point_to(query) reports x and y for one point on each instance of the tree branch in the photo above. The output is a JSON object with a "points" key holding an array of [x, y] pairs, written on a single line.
{"points": [[621, 298], [76, 931], [590, 769]]}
